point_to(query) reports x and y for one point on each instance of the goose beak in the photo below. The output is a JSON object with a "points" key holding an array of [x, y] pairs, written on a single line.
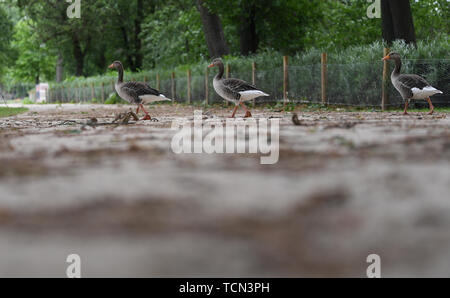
{"points": [[111, 66], [386, 58], [211, 65]]}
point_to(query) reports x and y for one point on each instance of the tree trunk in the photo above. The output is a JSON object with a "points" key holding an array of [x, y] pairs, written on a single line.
{"points": [[78, 55], [137, 32], [397, 21], [387, 25], [248, 36], [59, 68], [126, 46], [212, 28]]}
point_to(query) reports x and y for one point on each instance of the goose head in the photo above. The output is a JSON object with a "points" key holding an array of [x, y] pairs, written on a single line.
{"points": [[117, 65], [216, 62], [392, 55]]}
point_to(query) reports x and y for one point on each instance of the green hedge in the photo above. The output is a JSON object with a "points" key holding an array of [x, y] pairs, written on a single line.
{"points": [[354, 75]]}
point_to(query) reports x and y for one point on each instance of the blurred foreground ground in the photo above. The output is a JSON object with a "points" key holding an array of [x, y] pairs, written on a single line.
{"points": [[346, 185]]}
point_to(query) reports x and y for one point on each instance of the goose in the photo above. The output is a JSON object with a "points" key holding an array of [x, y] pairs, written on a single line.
{"points": [[136, 92], [234, 90], [410, 86]]}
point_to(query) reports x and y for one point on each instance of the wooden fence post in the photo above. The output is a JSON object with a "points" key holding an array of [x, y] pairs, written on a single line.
{"points": [[62, 93], [145, 79], [285, 81], [174, 87], [113, 86], [207, 86], [85, 92], [158, 83], [189, 86], [92, 91], [103, 92], [384, 87], [254, 79], [227, 76], [324, 78]]}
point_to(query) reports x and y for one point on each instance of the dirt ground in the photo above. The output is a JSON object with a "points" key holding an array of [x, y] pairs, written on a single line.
{"points": [[346, 185]]}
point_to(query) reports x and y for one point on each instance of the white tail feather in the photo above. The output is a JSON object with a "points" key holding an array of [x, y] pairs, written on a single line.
{"points": [[251, 94], [153, 98], [425, 92]]}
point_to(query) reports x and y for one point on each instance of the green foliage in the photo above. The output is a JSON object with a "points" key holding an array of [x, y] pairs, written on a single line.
{"points": [[173, 35], [354, 73], [27, 101], [113, 98], [8, 112], [6, 26], [35, 59], [344, 23], [431, 18], [280, 25]]}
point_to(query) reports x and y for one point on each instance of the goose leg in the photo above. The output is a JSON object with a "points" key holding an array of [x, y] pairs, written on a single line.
{"points": [[234, 111], [431, 106], [137, 111], [406, 108], [247, 112], [147, 116]]}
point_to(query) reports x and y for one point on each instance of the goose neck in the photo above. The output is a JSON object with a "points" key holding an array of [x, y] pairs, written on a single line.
{"points": [[120, 77], [221, 71], [398, 67]]}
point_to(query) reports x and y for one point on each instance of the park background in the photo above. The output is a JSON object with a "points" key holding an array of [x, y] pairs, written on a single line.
{"points": [[352, 179], [169, 44]]}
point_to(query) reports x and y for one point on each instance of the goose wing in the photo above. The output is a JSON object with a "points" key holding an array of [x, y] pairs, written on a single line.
{"points": [[237, 85], [140, 89], [407, 82], [413, 81]]}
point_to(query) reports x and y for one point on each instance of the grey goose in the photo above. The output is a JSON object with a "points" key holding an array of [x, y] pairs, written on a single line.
{"points": [[136, 92], [234, 90], [410, 86]]}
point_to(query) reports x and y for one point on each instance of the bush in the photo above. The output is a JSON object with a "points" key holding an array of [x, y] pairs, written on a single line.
{"points": [[113, 99], [354, 74], [27, 101]]}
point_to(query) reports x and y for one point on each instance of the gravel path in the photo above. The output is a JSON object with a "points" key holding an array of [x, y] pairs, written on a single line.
{"points": [[346, 185]]}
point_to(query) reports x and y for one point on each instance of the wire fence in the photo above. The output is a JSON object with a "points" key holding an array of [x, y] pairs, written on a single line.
{"points": [[357, 84], [16, 90]]}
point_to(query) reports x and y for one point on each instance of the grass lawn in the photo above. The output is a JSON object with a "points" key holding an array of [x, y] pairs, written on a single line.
{"points": [[7, 112]]}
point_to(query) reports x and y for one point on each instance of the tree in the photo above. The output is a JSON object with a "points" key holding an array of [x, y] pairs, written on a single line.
{"points": [[431, 18], [248, 37], [212, 28], [172, 35], [397, 21], [35, 60], [5, 39], [53, 25], [125, 27], [137, 33], [267, 24]]}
